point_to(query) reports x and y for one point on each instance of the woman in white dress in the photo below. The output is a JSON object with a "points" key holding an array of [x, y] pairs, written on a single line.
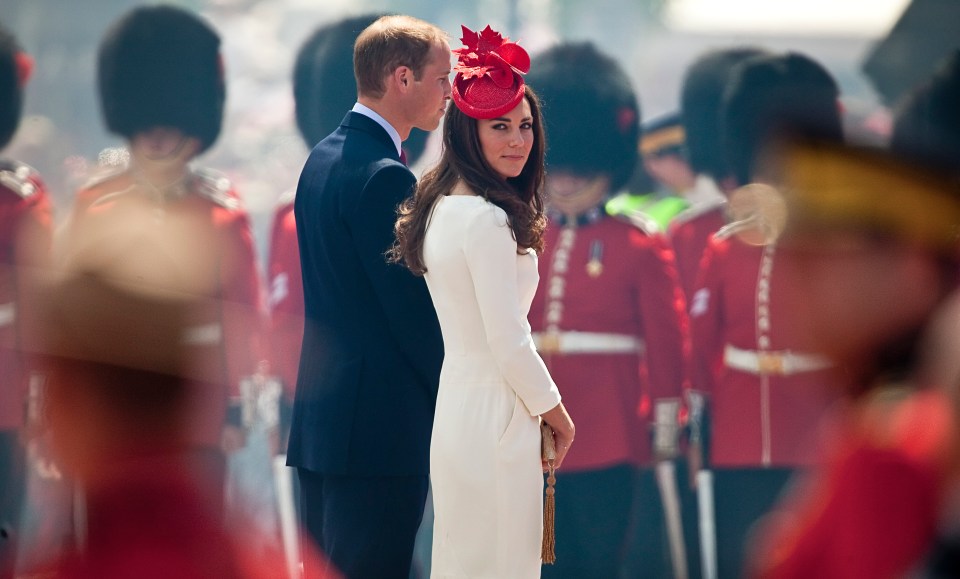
{"points": [[473, 229]]}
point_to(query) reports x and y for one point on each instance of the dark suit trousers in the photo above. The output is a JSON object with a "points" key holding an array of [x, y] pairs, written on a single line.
{"points": [[365, 525]]}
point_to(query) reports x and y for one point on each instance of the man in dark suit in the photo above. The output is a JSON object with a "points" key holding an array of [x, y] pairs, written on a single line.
{"points": [[372, 350]]}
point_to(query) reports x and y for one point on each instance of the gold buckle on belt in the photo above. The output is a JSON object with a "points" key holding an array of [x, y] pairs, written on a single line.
{"points": [[550, 343], [770, 363]]}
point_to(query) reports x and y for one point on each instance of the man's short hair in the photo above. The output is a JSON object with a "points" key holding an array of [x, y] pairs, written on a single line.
{"points": [[388, 43]]}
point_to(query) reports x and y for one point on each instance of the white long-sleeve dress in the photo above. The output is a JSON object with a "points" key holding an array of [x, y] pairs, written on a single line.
{"points": [[485, 451]]}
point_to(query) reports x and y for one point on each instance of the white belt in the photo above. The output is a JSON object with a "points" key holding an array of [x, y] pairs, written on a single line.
{"points": [[782, 362], [8, 313], [204, 335], [587, 343]]}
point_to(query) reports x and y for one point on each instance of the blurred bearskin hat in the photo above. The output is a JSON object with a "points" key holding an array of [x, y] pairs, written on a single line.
{"points": [[11, 87], [701, 97], [591, 112], [324, 87], [776, 96], [161, 66], [927, 124]]}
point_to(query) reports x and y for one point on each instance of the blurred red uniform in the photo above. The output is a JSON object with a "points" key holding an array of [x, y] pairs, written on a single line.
{"points": [[226, 337], [873, 510], [25, 234], [766, 399], [689, 233], [148, 520], [285, 298]]}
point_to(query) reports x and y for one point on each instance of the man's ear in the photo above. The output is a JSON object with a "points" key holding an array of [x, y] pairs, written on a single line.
{"points": [[402, 77]]}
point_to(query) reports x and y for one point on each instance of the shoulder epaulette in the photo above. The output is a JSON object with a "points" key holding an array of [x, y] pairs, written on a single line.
{"points": [[215, 186], [640, 220], [694, 211], [15, 176]]}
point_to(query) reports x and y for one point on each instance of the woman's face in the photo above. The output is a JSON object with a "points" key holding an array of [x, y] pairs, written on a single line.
{"points": [[506, 140]]}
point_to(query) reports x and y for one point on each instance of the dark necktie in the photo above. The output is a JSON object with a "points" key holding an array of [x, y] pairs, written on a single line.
{"points": [[403, 156]]}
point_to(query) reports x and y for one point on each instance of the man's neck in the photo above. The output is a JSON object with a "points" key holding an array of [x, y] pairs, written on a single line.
{"points": [[390, 113], [159, 175]]}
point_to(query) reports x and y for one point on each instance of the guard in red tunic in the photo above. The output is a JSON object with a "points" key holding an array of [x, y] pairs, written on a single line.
{"points": [[766, 393], [162, 88], [25, 231], [700, 98], [608, 318]]}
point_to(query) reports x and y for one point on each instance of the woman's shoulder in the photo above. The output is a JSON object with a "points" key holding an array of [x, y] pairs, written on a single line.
{"points": [[480, 211]]}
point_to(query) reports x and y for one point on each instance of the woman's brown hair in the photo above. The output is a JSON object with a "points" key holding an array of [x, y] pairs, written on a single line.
{"points": [[462, 160]]}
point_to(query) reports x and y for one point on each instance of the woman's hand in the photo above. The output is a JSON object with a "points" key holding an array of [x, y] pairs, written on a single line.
{"points": [[563, 431]]}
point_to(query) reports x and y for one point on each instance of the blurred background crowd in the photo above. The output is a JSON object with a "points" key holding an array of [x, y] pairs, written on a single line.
{"points": [[260, 150]]}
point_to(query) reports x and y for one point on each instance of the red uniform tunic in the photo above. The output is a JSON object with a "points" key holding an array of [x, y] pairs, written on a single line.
{"points": [[25, 232], [146, 520], [689, 233], [286, 297], [608, 293], [873, 508], [226, 334], [765, 403]]}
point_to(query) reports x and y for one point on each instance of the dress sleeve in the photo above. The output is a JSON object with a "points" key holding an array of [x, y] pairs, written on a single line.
{"points": [[491, 254]]}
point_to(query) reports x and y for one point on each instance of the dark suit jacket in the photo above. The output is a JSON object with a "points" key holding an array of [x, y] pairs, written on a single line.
{"points": [[372, 349]]}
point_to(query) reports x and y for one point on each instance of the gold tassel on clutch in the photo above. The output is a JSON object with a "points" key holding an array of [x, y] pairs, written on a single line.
{"points": [[549, 453]]}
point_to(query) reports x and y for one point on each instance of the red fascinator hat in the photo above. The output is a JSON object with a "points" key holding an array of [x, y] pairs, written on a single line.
{"points": [[489, 81]]}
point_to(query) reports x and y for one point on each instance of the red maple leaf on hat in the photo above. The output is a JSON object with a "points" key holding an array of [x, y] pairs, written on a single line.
{"points": [[490, 54], [490, 69]]}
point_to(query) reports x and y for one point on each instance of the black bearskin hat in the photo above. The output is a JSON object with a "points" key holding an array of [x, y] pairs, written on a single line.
{"points": [[701, 97], [590, 110], [324, 87], [160, 66], [776, 96], [927, 125], [11, 89]]}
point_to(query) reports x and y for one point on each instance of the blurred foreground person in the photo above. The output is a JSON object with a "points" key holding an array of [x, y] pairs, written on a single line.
{"points": [[115, 320], [608, 320], [25, 231], [876, 245], [766, 392], [162, 88]]}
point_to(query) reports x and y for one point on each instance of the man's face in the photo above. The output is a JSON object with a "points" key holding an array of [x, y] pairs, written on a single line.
{"points": [[165, 145], [429, 95]]}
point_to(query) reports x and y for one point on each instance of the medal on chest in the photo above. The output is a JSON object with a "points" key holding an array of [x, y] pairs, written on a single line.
{"points": [[595, 262]]}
